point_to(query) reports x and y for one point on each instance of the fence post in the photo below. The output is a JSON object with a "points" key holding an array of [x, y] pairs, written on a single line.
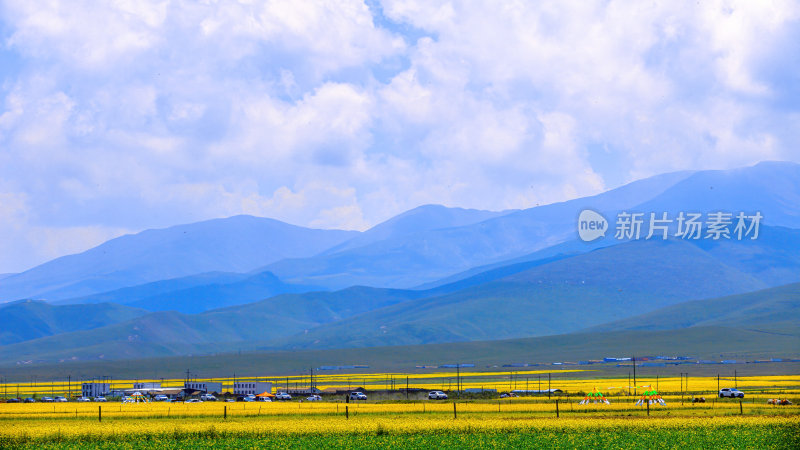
{"points": [[225, 413], [455, 415], [346, 412], [648, 407], [741, 411], [556, 408], [99, 413]]}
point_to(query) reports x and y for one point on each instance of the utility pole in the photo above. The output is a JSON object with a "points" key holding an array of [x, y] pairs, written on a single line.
{"points": [[634, 374], [458, 380]]}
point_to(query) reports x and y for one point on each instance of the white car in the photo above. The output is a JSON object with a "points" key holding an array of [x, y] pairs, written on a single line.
{"points": [[263, 399], [313, 398], [437, 395], [357, 396], [730, 392], [99, 399], [208, 398], [84, 399], [282, 396], [194, 400], [60, 399], [161, 398]]}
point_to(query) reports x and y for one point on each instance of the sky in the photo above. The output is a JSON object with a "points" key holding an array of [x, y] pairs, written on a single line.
{"points": [[121, 116]]}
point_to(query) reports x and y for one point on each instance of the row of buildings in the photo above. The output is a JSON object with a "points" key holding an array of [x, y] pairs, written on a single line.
{"points": [[101, 389]]}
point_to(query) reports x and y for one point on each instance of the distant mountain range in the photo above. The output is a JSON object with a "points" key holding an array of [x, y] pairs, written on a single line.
{"points": [[236, 244], [436, 275]]}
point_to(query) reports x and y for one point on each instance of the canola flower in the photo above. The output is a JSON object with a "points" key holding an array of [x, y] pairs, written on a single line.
{"points": [[500, 381]]}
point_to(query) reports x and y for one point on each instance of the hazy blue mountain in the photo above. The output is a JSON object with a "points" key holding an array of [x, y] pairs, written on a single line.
{"points": [[425, 256], [772, 188], [196, 293], [773, 258], [212, 296], [558, 297], [131, 294], [420, 219], [770, 310], [236, 244], [28, 319], [172, 333], [419, 258]]}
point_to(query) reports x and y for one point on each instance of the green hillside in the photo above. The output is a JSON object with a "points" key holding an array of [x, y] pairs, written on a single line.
{"points": [[563, 296], [770, 310], [30, 319]]}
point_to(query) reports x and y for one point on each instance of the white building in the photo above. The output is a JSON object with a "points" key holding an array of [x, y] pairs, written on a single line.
{"points": [[205, 387], [251, 387], [95, 389]]}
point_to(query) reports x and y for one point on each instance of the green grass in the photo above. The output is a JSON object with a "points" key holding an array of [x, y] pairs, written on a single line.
{"points": [[774, 437]]}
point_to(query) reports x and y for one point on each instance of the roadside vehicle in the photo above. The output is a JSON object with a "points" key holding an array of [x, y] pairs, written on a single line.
{"points": [[507, 395], [29, 400], [230, 400], [84, 399], [60, 399], [208, 398], [358, 396], [263, 399], [13, 400], [313, 398], [47, 399], [160, 398], [731, 392], [194, 400], [437, 395], [282, 396], [245, 399], [100, 399]]}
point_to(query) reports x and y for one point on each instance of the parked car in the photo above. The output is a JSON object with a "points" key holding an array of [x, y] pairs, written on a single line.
{"points": [[437, 395], [60, 399], [47, 399], [230, 400], [245, 399], [282, 396], [100, 399], [13, 400], [194, 400], [160, 398], [358, 396], [731, 392], [29, 400], [84, 399], [313, 398], [208, 398], [263, 399]]}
